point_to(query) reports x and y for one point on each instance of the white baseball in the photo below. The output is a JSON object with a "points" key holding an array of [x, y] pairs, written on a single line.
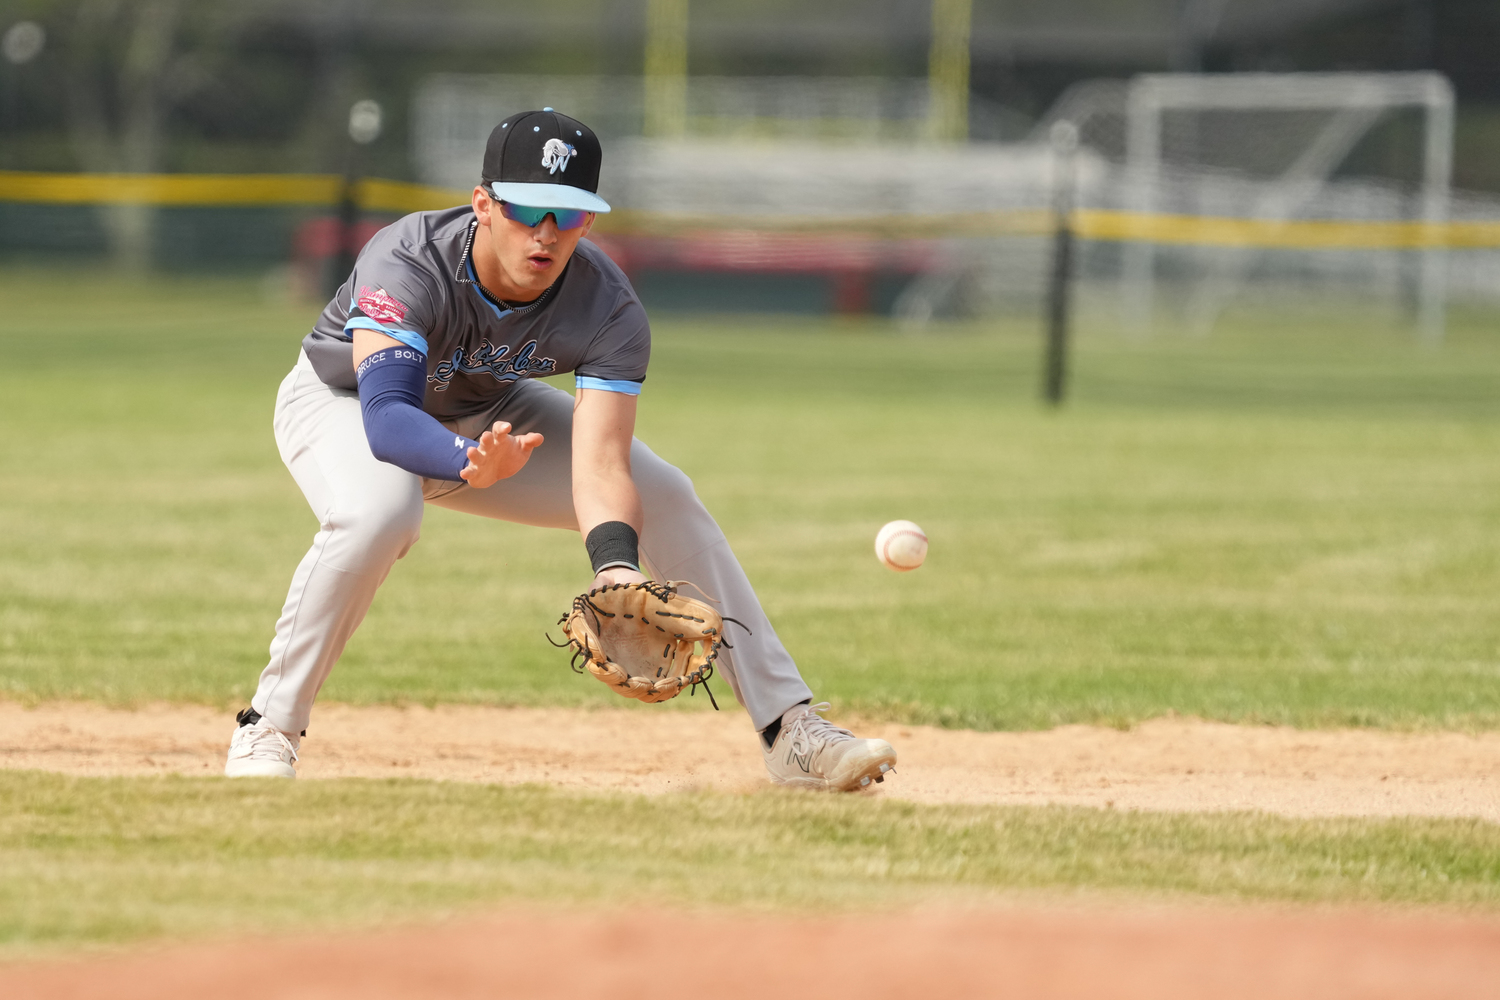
{"points": [[901, 545]]}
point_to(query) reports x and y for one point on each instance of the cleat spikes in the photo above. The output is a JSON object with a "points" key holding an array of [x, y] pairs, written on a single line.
{"points": [[864, 781], [884, 768], [879, 779]]}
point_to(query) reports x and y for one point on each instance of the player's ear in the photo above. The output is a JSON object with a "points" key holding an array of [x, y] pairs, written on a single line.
{"points": [[588, 226], [482, 204]]}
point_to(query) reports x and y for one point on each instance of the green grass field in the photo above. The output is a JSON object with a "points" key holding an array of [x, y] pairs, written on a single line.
{"points": [[112, 860], [1291, 521], [1285, 524]]}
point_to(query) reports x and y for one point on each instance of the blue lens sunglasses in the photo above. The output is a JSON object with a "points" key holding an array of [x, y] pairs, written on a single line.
{"points": [[526, 215]]}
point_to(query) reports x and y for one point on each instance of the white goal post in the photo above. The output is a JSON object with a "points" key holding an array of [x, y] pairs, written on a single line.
{"points": [[1350, 105]]}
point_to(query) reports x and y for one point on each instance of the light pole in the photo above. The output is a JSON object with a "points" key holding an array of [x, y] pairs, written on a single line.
{"points": [[21, 43], [365, 120], [948, 70], [666, 68], [1064, 141]]}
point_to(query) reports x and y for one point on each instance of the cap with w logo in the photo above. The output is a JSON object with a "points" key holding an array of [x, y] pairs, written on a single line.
{"points": [[546, 160]]}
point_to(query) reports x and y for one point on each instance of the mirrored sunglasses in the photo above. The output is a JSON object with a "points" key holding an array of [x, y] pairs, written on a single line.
{"points": [[567, 218]]}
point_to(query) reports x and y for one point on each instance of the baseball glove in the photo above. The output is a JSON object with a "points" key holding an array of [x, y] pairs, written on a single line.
{"points": [[645, 640]]}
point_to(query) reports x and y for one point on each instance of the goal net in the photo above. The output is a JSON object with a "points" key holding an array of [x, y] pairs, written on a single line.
{"points": [[1274, 149]]}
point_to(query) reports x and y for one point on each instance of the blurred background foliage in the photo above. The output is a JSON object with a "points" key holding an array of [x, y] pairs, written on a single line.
{"points": [[265, 85]]}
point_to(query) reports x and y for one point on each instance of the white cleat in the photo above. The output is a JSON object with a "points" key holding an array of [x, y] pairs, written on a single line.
{"points": [[811, 752], [260, 750]]}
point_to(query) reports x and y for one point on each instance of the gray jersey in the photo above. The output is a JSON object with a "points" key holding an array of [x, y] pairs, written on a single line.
{"points": [[414, 281]]}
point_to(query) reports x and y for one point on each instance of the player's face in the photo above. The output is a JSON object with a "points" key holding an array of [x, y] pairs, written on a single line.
{"points": [[519, 261]]}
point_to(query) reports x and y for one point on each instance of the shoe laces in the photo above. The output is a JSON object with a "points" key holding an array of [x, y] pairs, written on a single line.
{"points": [[810, 727], [263, 742]]}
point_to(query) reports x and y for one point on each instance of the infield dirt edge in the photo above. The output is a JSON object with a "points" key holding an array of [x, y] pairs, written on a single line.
{"points": [[1164, 765]]}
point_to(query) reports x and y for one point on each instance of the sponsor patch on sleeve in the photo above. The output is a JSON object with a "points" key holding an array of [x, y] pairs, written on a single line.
{"points": [[380, 305]]}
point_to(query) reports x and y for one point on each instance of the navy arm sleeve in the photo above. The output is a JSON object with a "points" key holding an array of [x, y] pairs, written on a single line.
{"points": [[391, 383]]}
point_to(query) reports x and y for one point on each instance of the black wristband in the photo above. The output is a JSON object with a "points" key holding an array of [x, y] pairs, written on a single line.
{"points": [[614, 543]]}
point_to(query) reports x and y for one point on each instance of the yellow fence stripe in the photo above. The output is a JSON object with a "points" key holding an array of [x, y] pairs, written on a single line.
{"points": [[220, 190], [1091, 224], [206, 190], [400, 197], [1022, 222], [1311, 234], [170, 189]]}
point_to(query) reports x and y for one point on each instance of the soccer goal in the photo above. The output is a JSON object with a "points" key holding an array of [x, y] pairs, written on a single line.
{"points": [[1281, 147]]}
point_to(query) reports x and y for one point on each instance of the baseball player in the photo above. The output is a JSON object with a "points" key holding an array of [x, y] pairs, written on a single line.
{"points": [[418, 385]]}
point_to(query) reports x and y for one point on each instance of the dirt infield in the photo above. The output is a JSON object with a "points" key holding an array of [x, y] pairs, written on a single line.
{"points": [[1038, 954], [1166, 765], [1038, 951]]}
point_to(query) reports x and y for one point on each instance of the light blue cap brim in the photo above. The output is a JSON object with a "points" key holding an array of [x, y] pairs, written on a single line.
{"points": [[549, 196]]}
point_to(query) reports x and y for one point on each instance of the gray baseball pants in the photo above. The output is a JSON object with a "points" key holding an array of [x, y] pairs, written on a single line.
{"points": [[370, 514]]}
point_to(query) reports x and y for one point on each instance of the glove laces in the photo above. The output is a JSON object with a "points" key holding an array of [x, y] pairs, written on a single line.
{"points": [[810, 727]]}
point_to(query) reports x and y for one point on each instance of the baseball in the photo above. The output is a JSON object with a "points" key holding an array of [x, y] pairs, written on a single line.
{"points": [[901, 545]]}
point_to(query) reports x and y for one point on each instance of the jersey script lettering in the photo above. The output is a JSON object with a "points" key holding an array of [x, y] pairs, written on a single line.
{"points": [[489, 358]]}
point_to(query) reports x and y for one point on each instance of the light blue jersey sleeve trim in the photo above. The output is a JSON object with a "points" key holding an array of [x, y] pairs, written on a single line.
{"points": [[609, 385], [410, 338]]}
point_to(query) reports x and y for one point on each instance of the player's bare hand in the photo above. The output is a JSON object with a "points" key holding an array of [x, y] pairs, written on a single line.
{"points": [[616, 574], [500, 455]]}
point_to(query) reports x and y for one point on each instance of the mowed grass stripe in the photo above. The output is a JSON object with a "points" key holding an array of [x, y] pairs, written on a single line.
{"points": [[1295, 520], [97, 860]]}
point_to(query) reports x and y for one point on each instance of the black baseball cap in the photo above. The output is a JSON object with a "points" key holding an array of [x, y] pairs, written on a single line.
{"points": [[545, 160]]}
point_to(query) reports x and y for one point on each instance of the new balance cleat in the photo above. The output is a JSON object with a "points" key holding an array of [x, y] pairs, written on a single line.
{"points": [[811, 752], [260, 750]]}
